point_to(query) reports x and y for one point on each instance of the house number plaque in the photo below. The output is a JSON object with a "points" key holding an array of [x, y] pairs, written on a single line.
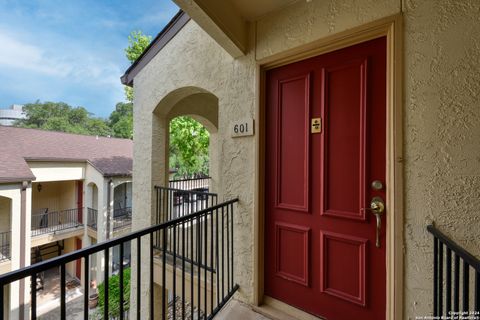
{"points": [[316, 125], [242, 128]]}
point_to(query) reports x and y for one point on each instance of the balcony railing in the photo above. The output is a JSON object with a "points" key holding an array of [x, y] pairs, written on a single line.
{"points": [[51, 222], [457, 261], [122, 218], [92, 216], [5, 246], [173, 203], [201, 289], [193, 184]]}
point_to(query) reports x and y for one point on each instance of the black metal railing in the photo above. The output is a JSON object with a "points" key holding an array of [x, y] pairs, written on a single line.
{"points": [[92, 216], [199, 183], [55, 221], [172, 203], [202, 291], [5, 246], [122, 218], [449, 266]]}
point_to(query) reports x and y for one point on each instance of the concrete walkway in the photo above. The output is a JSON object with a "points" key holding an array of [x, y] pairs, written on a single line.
{"points": [[235, 310]]}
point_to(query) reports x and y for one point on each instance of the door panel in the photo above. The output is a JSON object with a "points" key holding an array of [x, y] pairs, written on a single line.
{"points": [[345, 140], [293, 143], [320, 240]]}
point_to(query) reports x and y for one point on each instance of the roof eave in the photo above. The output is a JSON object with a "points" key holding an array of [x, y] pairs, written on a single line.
{"points": [[160, 41]]}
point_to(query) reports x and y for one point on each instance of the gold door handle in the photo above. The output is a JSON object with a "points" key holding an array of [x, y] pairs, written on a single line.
{"points": [[377, 206]]}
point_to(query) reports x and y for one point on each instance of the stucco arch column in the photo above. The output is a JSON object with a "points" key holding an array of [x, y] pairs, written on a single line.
{"points": [[153, 163]]}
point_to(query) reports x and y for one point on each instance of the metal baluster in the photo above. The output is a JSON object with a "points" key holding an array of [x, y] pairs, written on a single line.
{"points": [[448, 295], [211, 261], [152, 291], [231, 220], [106, 281], [33, 296], [86, 284], [456, 284], [139, 272], [121, 281], [62, 292], [440, 279], [199, 263], [174, 273], [465, 285], [217, 264], [223, 250], [183, 270], [205, 263], [477, 291], [228, 252], [192, 293], [435, 276], [164, 274]]}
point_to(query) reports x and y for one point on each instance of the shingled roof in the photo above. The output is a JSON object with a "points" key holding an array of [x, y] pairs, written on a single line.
{"points": [[110, 156]]}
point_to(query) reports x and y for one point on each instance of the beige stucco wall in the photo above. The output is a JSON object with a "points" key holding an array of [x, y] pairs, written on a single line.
{"points": [[441, 119], [55, 196], [57, 171], [13, 192], [206, 66], [5, 212]]}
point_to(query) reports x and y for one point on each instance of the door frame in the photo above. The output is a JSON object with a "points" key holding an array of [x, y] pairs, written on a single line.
{"points": [[390, 27]]}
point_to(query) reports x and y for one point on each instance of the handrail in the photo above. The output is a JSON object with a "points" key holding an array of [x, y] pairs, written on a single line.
{"points": [[462, 253], [189, 179], [187, 191], [69, 257]]}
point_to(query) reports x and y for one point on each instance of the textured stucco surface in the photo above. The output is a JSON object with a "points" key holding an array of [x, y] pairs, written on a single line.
{"points": [[193, 59], [441, 119]]}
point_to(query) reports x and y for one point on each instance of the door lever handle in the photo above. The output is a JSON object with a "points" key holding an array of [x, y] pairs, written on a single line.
{"points": [[377, 207]]}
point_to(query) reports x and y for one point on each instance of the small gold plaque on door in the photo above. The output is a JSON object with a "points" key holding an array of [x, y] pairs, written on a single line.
{"points": [[316, 125]]}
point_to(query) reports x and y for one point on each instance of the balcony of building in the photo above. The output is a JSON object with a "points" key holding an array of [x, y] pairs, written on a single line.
{"points": [[57, 211], [185, 263], [5, 234]]}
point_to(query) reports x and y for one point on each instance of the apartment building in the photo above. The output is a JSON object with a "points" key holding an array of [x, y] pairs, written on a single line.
{"points": [[60, 192]]}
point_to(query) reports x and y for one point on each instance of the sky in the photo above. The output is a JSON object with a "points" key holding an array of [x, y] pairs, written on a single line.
{"points": [[71, 51]]}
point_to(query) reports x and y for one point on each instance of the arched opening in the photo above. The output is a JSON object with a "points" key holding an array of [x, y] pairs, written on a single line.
{"points": [[194, 111], [122, 205], [5, 228], [188, 149], [92, 205], [122, 220]]}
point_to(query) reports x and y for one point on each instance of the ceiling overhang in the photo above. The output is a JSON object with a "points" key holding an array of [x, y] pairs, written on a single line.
{"points": [[227, 21]]}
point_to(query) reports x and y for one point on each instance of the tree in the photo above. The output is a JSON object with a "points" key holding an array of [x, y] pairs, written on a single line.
{"points": [[114, 294], [121, 120], [59, 116], [189, 142], [137, 43]]}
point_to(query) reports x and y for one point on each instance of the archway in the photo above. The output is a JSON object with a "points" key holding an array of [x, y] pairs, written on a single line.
{"points": [[5, 228], [198, 104]]}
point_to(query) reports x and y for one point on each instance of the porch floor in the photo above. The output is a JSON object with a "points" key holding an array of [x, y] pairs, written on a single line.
{"points": [[235, 310]]}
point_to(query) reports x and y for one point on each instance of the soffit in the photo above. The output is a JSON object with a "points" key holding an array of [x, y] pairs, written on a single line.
{"points": [[253, 9]]}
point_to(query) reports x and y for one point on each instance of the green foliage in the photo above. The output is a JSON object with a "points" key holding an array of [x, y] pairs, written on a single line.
{"points": [[114, 294], [189, 142], [59, 116], [121, 120], [137, 43]]}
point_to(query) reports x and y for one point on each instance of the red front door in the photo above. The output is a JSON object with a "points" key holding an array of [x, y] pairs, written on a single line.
{"points": [[79, 186], [321, 254]]}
